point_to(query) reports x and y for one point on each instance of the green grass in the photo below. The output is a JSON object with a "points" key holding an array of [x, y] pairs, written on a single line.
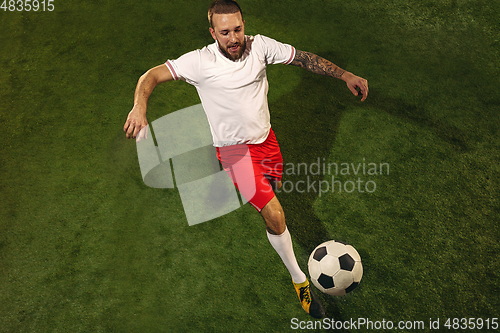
{"points": [[85, 246]]}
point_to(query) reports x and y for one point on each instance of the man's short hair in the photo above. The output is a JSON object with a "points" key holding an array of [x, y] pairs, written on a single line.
{"points": [[223, 7]]}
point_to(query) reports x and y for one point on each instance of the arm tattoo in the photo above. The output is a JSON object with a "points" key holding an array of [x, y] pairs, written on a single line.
{"points": [[316, 64]]}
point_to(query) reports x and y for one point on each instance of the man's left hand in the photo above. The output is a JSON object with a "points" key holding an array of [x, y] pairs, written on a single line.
{"points": [[354, 81]]}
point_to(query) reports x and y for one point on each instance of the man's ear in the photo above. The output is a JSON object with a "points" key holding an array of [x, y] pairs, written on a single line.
{"points": [[212, 32]]}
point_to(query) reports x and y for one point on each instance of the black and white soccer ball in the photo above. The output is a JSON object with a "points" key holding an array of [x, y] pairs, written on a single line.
{"points": [[335, 268]]}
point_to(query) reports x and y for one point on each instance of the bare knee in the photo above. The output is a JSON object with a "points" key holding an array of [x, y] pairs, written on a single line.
{"points": [[276, 223], [274, 216]]}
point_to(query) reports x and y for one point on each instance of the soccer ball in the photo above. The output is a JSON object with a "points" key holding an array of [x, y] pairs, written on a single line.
{"points": [[335, 268]]}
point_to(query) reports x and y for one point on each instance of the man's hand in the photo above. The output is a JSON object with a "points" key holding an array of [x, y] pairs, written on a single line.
{"points": [[136, 121], [354, 82]]}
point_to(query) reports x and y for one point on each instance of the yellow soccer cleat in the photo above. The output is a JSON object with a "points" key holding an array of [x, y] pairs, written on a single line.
{"points": [[310, 303]]}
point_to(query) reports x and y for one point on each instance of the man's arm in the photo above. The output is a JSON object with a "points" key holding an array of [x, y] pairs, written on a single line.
{"points": [[319, 65], [136, 119]]}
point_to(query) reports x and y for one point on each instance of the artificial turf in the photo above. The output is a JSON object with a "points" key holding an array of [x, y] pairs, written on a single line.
{"points": [[85, 246]]}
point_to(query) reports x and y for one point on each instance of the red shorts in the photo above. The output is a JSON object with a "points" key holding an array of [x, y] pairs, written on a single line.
{"points": [[252, 167]]}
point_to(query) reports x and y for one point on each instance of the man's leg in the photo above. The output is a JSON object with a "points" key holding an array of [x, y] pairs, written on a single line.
{"points": [[280, 239]]}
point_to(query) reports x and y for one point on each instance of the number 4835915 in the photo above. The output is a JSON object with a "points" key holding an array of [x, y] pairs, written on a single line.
{"points": [[471, 323], [27, 5]]}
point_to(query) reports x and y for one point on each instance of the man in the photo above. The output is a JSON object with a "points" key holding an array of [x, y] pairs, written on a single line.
{"points": [[230, 77]]}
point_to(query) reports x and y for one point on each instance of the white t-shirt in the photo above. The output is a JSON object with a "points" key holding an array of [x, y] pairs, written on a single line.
{"points": [[233, 93]]}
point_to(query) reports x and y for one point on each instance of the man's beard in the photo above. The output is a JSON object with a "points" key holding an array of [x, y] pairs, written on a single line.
{"points": [[236, 55]]}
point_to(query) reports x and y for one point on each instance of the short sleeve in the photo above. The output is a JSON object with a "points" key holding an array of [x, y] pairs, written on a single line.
{"points": [[186, 67], [274, 51]]}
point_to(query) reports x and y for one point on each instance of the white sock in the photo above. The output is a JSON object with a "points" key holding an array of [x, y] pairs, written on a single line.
{"points": [[283, 245]]}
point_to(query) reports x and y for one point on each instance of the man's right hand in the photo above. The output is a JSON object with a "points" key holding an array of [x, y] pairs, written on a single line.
{"points": [[136, 121]]}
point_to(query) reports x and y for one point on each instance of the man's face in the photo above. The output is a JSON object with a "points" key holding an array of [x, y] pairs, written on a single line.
{"points": [[229, 31]]}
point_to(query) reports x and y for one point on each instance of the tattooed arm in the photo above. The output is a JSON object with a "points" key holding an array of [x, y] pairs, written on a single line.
{"points": [[319, 65], [316, 64]]}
